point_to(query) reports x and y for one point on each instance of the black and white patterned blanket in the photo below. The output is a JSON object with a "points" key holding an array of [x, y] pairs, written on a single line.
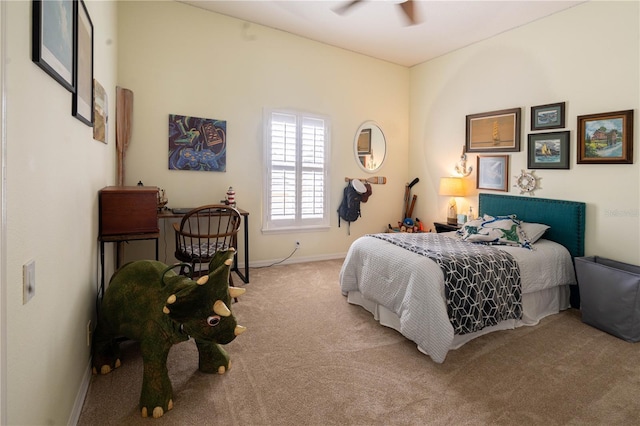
{"points": [[482, 283]]}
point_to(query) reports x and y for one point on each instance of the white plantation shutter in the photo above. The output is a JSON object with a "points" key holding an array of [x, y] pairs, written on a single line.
{"points": [[296, 152]]}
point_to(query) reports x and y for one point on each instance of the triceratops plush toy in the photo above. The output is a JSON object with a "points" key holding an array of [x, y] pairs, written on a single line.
{"points": [[148, 302]]}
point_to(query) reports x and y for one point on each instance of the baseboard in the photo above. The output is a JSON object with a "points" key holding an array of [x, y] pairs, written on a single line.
{"points": [[80, 396], [294, 259]]}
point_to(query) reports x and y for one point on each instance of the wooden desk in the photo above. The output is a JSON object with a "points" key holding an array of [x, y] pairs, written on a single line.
{"points": [[119, 239], [168, 214]]}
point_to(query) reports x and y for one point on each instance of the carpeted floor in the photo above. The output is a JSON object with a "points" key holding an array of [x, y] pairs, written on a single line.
{"points": [[310, 358]]}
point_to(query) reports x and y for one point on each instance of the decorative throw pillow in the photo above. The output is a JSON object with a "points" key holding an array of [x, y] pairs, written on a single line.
{"points": [[534, 231], [470, 228], [499, 230]]}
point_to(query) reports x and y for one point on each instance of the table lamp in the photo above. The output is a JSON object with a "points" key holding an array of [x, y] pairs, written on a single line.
{"points": [[453, 187]]}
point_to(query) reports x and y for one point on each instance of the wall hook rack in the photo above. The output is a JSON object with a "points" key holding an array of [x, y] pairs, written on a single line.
{"points": [[378, 180]]}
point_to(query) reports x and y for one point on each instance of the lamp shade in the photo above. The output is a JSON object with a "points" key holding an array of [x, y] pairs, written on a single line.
{"points": [[451, 186]]}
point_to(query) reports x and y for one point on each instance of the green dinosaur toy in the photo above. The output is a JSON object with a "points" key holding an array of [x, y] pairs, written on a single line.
{"points": [[148, 302]]}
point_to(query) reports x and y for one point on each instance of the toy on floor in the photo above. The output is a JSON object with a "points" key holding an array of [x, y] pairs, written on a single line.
{"points": [[407, 225], [148, 302]]}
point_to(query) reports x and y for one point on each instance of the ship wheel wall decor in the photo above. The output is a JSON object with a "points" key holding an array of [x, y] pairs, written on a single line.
{"points": [[527, 182]]}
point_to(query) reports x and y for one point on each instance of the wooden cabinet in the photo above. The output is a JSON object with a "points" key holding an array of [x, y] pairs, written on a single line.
{"points": [[126, 213], [128, 210], [446, 227]]}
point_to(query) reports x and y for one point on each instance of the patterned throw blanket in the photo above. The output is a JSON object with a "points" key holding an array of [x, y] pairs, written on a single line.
{"points": [[482, 283]]}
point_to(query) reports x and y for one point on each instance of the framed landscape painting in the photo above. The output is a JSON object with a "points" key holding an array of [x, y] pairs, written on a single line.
{"points": [[100, 112], [53, 40], [550, 116], [606, 138], [495, 131], [548, 150]]}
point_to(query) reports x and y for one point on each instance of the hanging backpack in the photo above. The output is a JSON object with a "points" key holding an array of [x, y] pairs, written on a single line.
{"points": [[349, 209]]}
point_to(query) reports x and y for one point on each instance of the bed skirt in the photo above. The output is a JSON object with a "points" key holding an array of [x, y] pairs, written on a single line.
{"points": [[535, 306]]}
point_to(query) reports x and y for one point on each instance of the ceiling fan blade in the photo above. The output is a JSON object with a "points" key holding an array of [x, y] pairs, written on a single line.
{"points": [[341, 10], [409, 11]]}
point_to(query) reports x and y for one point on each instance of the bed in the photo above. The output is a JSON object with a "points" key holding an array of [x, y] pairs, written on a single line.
{"points": [[405, 289]]}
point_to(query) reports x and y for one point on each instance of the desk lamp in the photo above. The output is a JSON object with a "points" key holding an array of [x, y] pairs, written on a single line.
{"points": [[453, 187]]}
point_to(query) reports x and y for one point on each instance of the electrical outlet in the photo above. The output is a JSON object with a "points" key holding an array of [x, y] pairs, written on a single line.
{"points": [[28, 281], [89, 333], [297, 244]]}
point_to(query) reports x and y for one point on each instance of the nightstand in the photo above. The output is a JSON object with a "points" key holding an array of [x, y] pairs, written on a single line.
{"points": [[446, 227]]}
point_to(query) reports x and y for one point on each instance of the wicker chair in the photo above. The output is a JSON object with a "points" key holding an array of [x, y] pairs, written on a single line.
{"points": [[202, 232]]}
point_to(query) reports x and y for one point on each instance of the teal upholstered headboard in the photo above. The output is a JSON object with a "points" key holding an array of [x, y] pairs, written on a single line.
{"points": [[566, 218]]}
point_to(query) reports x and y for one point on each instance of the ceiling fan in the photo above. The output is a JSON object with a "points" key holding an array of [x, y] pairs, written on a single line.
{"points": [[406, 6]]}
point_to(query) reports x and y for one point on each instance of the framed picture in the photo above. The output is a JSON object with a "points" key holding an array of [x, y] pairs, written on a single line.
{"points": [[197, 143], [364, 142], [550, 116], [52, 40], [606, 138], [493, 172], [100, 113], [82, 105], [548, 150], [496, 131]]}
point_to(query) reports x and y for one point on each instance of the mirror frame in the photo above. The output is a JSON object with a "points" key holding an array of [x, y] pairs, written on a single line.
{"points": [[373, 144]]}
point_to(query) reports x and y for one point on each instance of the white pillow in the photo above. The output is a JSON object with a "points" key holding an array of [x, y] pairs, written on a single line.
{"points": [[534, 230]]}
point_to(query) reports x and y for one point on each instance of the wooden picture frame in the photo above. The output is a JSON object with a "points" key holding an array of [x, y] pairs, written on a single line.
{"points": [[605, 138], [364, 142], [82, 104], [100, 113], [53, 41], [548, 150], [550, 116], [495, 131], [493, 172]]}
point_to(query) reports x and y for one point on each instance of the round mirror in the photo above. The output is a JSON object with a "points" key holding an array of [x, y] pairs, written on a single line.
{"points": [[370, 147]]}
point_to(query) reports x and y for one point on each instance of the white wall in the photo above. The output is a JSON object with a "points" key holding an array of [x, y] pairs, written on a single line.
{"points": [[178, 59], [54, 172], [588, 57]]}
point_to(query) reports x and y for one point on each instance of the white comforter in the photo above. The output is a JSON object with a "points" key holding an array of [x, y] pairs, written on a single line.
{"points": [[412, 286]]}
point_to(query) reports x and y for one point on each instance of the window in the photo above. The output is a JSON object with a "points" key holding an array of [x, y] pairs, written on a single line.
{"points": [[296, 181]]}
